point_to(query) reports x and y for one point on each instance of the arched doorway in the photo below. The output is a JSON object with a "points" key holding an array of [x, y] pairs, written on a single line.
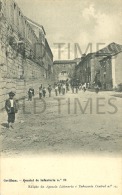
{"points": [[63, 76]]}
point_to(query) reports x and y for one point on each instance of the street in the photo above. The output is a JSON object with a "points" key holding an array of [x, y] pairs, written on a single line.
{"points": [[83, 123]]}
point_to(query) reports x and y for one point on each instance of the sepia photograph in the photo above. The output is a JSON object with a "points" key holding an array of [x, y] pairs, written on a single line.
{"points": [[60, 97]]}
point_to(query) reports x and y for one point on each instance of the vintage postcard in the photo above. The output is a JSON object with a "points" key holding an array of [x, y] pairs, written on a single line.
{"points": [[60, 97]]}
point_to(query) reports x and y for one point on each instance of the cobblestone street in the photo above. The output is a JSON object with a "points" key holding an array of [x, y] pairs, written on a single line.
{"points": [[70, 131]]}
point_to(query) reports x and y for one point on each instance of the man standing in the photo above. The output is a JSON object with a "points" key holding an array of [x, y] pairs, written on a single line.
{"points": [[30, 94], [40, 92], [77, 85], [67, 86], [44, 92], [56, 90], [49, 90], [63, 89], [11, 107], [59, 88], [72, 86], [84, 87]]}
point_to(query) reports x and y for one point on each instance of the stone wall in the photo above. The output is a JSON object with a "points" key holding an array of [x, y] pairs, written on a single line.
{"points": [[19, 69], [110, 71], [118, 68], [17, 73], [7, 85], [33, 77], [106, 74]]}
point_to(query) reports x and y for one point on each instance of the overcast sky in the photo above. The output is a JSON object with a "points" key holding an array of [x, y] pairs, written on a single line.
{"points": [[76, 21]]}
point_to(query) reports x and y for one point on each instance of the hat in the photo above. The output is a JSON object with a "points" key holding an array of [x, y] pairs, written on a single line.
{"points": [[11, 93]]}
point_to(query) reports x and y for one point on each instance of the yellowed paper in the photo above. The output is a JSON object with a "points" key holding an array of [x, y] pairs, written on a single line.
{"points": [[62, 60]]}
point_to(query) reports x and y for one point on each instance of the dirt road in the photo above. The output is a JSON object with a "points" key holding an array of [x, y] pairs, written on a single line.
{"points": [[74, 123]]}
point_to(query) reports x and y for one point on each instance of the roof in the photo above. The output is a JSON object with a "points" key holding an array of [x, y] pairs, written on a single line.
{"points": [[64, 62], [111, 49], [36, 24]]}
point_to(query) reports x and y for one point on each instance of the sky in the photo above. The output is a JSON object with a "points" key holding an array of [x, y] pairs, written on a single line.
{"points": [[76, 23]]}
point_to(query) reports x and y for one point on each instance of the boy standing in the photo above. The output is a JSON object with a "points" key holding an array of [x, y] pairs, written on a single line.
{"points": [[11, 107]]}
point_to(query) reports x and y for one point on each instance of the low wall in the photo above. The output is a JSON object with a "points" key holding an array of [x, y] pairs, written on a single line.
{"points": [[7, 85], [20, 87]]}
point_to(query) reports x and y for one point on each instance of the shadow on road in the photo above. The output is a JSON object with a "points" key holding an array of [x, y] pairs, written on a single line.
{"points": [[4, 125]]}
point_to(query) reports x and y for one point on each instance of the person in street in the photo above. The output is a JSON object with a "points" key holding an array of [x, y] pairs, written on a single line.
{"points": [[76, 86], [88, 85], [97, 89], [49, 90], [40, 92], [84, 87], [80, 86], [67, 86], [56, 90], [32, 91], [98, 85], [63, 89], [11, 107], [59, 88], [30, 94], [44, 92], [72, 86]]}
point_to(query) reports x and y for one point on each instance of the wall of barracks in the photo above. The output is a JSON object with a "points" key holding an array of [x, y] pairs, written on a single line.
{"points": [[19, 67]]}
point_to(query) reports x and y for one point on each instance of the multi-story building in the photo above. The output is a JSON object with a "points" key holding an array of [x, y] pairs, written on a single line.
{"points": [[103, 66], [25, 56], [24, 38], [110, 71], [64, 68], [88, 70], [43, 53]]}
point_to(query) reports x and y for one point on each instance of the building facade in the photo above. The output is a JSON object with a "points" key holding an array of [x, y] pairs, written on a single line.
{"points": [[110, 71], [88, 70], [111, 66], [102, 67], [64, 69], [25, 56], [23, 37], [43, 53]]}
